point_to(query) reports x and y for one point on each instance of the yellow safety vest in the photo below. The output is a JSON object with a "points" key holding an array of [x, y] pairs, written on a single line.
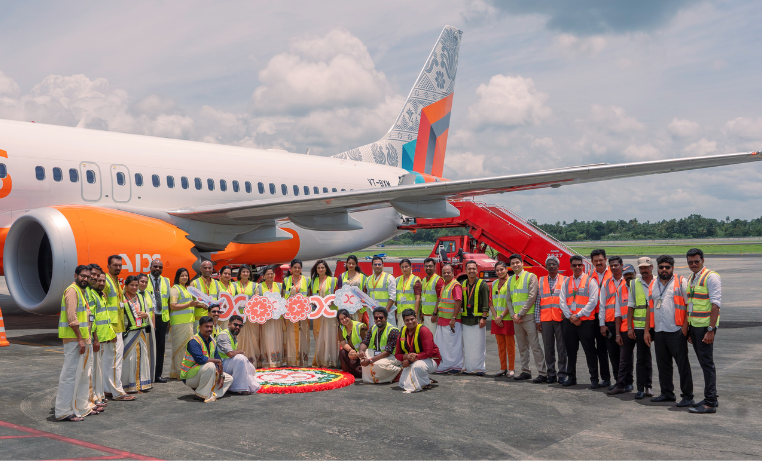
{"points": [[189, 368], [698, 294], [113, 292], [406, 292], [356, 337], [83, 314], [164, 291], [429, 294], [446, 308], [520, 291], [103, 329], [213, 290], [185, 315]]}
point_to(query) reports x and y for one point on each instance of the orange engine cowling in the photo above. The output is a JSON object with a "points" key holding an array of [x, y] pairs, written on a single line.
{"points": [[44, 246]]}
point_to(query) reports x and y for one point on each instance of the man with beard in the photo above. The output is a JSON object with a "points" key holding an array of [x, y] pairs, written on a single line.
{"points": [[379, 365]]}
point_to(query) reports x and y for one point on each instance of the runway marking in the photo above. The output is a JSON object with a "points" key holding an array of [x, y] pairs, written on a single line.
{"points": [[116, 454], [17, 436]]}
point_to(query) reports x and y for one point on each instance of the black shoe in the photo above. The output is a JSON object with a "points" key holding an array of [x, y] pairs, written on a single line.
{"points": [[703, 409], [611, 388], [594, 384], [686, 402], [551, 380], [640, 395], [628, 388], [501, 373], [663, 398], [703, 402], [616, 390], [160, 380], [523, 376], [606, 383], [540, 379], [569, 382], [562, 379]]}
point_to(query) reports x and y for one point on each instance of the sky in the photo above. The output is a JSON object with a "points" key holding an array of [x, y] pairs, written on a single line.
{"points": [[540, 85]]}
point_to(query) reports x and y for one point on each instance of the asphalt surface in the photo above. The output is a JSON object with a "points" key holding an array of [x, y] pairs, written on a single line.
{"points": [[462, 417]]}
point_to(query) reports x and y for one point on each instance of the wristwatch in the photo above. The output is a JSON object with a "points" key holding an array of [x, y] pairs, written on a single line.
{"points": [[711, 328]]}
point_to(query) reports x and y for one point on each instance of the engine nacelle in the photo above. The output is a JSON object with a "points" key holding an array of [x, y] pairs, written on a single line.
{"points": [[44, 246]]}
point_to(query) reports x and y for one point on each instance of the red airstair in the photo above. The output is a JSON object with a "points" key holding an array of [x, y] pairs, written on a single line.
{"points": [[506, 232]]}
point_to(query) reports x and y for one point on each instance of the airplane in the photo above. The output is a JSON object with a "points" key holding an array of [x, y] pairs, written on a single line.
{"points": [[74, 196]]}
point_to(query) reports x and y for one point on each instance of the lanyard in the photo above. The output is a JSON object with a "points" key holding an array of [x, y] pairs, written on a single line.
{"points": [[694, 278], [470, 292], [575, 288], [666, 287], [116, 284], [272, 288], [378, 280], [204, 287], [134, 304], [321, 286]]}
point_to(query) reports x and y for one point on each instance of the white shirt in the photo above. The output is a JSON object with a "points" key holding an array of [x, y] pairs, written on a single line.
{"points": [[604, 295], [592, 287], [664, 317]]}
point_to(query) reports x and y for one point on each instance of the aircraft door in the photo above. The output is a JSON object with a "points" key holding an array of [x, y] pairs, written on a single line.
{"points": [[90, 179], [121, 190]]}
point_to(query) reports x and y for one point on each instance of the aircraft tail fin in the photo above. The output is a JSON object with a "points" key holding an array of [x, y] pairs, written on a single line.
{"points": [[418, 138]]}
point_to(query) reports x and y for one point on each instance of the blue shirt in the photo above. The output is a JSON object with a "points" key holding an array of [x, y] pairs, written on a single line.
{"points": [[195, 350]]}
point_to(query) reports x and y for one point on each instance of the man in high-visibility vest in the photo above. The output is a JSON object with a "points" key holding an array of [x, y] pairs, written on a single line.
{"points": [[474, 321], [379, 365], [431, 287], [548, 316], [101, 331], [409, 290], [522, 292], [382, 287], [234, 361], [207, 285], [613, 295], [704, 301], [73, 397], [158, 288], [578, 299], [113, 353], [449, 333], [201, 370], [601, 274], [668, 302]]}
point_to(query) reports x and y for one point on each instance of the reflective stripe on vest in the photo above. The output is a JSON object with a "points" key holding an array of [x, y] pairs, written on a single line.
{"points": [[114, 305], [275, 288], [131, 315], [603, 279], [612, 291], [403, 339], [429, 294], [577, 301], [186, 315], [248, 290], [213, 290], [103, 328], [698, 294], [163, 292], [83, 312], [379, 344], [356, 338], [406, 292], [500, 297], [519, 286], [329, 284], [681, 308], [477, 286], [233, 344], [642, 302], [550, 302], [189, 368], [446, 308], [378, 288], [304, 288]]}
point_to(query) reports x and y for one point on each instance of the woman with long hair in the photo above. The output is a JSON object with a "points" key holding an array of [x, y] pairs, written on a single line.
{"points": [[248, 338], [181, 318], [271, 337], [326, 330], [138, 363], [351, 335], [353, 276], [297, 334], [226, 286]]}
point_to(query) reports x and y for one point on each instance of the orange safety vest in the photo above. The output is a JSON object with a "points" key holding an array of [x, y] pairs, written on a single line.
{"points": [[550, 303], [611, 294], [606, 276], [681, 309], [581, 297]]}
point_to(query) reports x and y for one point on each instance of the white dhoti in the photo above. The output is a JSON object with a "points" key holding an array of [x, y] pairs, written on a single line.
{"points": [[180, 334], [428, 323], [96, 378], [136, 370], [205, 382], [416, 376], [111, 366], [381, 371], [243, 372], [73, 397], [474, 348], [450, 344]]}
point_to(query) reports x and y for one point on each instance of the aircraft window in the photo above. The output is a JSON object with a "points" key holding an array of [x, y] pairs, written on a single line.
{"points": [[184, 182], [57, 175], [306, 190], [120, 178], [325, 190], [343, 190], [210, 184], [223, 185], [248, 187], [197, 182], [138, 177], [261, 188], [171, 182], [236, 188], [334, 190], [90, 174], [39, 172], [155, 180], [316, 190], [3, 171], [296, 189], [272, 188], [284, 189]]}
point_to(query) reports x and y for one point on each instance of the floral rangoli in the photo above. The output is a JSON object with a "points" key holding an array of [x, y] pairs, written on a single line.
{"points": [[290, 380]]}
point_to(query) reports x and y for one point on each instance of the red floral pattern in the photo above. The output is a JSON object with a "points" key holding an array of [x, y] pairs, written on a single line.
{"points": [[259, 309], [297, 308]]}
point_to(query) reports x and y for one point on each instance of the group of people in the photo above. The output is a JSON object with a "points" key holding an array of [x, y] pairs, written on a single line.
{"points": [[114, 334]]}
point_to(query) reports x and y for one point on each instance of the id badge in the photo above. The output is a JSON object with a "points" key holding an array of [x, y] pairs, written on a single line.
{"points": [[375, 353], [574, 306], [121, 305], [690, 306], [658, 303], [91, 318]]}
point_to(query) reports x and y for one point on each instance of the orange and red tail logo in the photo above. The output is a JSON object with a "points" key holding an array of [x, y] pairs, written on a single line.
{"points": [[7, 182]]}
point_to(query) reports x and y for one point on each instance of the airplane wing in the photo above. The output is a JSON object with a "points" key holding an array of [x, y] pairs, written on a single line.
{"points": [[329, 212]]}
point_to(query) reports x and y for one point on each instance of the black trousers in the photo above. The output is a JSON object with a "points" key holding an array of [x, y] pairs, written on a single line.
{"points": [[613, 350], [602, 351], [573, 336], [669, 346], [161, 338], [643, 367], [705, 354]]}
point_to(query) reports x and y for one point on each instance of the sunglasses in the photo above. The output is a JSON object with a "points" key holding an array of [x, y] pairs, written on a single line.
{"points": [[665, 267], [693, 263], [237, 325], [577, 265], [377, 264]]}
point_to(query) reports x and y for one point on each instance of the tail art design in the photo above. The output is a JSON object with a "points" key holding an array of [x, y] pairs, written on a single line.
{"points": [[418, 138]]}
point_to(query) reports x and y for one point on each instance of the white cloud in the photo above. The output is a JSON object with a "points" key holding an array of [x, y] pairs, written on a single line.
{"points": [[467, 164], [581, 45], [683, 128], [509, 102], [701, 147], [614, 120], [641, 152], [746, 128], [318, 74], [7, 86], [543, 143]]}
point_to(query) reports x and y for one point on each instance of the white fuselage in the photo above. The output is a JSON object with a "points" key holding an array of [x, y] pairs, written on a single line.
{"points": [[107, 168]]}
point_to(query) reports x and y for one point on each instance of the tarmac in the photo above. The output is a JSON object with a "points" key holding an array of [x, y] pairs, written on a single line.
{"points": [[463, 417]]}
